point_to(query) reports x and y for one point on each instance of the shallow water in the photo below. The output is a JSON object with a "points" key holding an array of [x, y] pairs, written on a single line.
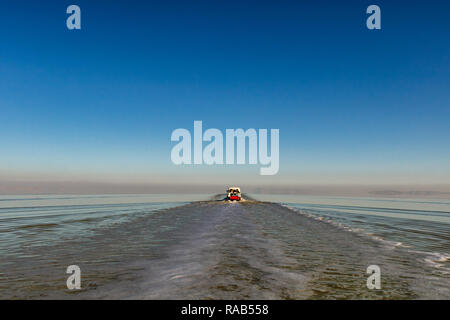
{"points": [[153, 247], [421, 225]]}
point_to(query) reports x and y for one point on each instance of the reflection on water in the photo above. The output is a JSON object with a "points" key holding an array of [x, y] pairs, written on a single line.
{"points": [[157, 246]]}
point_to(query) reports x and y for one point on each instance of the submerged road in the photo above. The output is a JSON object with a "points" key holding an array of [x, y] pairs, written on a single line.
{"points": [[220, 250], [257, 250]]}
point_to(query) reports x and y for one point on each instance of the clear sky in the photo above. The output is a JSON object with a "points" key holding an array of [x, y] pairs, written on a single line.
{"points": [[99, 104]]}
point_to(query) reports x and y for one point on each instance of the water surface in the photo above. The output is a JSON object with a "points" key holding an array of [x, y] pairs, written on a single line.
{"points": [[165, 247]]}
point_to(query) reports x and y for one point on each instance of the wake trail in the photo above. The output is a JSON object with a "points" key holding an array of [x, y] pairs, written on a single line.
{"points": [[256, 250]]}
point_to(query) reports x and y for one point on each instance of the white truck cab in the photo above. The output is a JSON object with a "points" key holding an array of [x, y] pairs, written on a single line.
{"points": [[234, 193]]}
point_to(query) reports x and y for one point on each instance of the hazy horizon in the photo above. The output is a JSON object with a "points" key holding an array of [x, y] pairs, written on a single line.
{"points": [[351, 190]]}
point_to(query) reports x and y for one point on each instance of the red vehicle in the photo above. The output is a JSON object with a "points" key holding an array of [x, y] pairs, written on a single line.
{"points": [[234, 194]]}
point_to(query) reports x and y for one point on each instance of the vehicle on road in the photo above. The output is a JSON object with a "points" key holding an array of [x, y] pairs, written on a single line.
{"points": [[234, 194]]}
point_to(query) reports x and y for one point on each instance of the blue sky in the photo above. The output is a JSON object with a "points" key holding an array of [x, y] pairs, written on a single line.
{"points": [[352, 105]]}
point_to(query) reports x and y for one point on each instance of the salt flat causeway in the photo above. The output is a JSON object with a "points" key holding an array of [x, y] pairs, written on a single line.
{"points": [[154, 247]]}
